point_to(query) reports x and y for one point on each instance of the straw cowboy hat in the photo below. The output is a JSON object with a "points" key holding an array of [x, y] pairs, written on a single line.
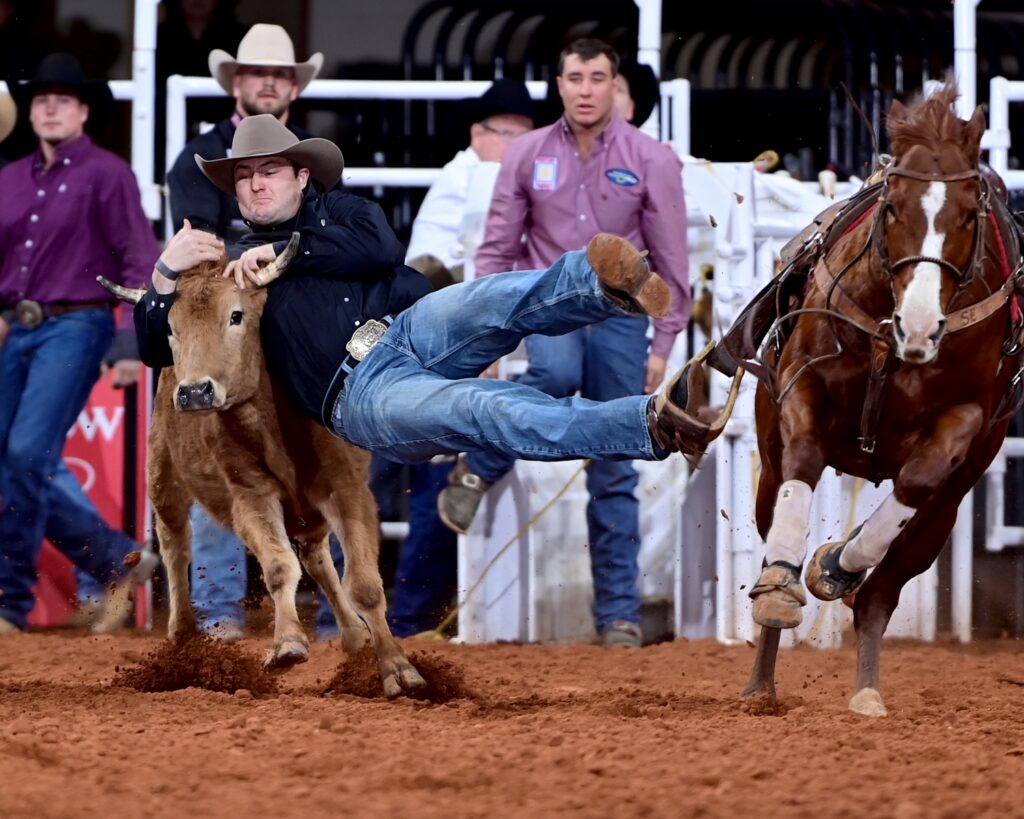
{"points": [[263, 135], [268, 45], [8, 115]]}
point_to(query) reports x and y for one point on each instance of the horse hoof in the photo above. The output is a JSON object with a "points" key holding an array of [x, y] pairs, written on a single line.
{"points": [[402, 680], [826, 579], [868, 702], [778, 596], [290, 652]]}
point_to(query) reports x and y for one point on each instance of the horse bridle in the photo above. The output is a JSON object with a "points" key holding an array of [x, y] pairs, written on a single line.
{"points": [[963, 277]]}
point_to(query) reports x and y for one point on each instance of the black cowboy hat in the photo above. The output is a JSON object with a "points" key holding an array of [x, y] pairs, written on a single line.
{"points": [[61, 70], [643, 88], [505, 96]]}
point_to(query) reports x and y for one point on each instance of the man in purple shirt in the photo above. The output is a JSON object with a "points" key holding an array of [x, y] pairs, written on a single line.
{"points": [[589, 172], [69, 212]]}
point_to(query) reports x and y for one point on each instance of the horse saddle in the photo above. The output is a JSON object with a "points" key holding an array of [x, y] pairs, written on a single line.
{"points": [[798, 257]]}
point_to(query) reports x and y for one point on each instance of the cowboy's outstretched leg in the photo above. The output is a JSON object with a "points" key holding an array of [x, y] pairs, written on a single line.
{"points": [[459, 331], [413, 397]]}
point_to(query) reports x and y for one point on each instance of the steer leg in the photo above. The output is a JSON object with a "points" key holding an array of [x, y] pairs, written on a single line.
{"points": [[171, 504], [259, 522], [355, 517], [316, 558], [176, 551]]}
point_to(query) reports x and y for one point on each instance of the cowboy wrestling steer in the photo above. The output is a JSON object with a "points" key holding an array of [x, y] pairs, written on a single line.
{"points": [[225, 434]]}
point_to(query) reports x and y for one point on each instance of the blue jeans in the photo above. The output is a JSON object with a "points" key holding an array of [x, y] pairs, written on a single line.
{"points": [[220, 577], [218, 571], [603, 362], [47, 374], [415, 395], [74, 526], [427, 570]]}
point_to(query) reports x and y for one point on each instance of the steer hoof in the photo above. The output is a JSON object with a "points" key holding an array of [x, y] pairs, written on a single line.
{"points": [[354, 638], [826, 579], [402, 678], [287, 653], [778, 596]]}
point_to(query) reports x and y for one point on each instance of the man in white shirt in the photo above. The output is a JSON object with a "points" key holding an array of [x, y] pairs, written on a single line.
{"points": [[450, 224], [445, 235]]}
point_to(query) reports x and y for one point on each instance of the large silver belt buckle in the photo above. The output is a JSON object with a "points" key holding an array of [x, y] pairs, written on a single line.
{"points": [[30, 313], [364, 338]]}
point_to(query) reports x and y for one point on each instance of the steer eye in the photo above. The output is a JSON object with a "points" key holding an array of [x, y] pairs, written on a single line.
{"points": [[236, 317]]}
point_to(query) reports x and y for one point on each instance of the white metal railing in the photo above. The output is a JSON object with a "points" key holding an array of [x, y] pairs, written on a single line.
{"points": [[675, 126], [997, 139]]}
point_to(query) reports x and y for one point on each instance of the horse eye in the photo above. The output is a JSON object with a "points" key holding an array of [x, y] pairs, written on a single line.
{"points": [[236, 317]]}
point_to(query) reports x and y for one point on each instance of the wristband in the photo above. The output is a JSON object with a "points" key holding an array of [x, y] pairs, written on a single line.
{"points": [[165, 271]]}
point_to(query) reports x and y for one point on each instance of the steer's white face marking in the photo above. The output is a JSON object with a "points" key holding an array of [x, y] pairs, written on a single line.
{"points": [[919, 315]]}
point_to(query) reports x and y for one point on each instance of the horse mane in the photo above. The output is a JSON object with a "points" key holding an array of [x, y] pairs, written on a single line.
{"points": [[927, 120]]}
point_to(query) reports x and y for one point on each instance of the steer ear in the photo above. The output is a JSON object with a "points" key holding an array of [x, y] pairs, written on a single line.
{"points": [[280, 264], [132, 295]]}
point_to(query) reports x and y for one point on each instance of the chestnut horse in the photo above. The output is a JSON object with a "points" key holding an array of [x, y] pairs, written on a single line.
{"points": [[899, 364]]}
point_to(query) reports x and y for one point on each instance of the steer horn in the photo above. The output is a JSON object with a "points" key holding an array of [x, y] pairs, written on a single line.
{"points": [[267, 274], [132, 295]]}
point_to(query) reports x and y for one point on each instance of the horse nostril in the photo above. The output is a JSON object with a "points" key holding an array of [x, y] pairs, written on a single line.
{"points": [[938, 332]]}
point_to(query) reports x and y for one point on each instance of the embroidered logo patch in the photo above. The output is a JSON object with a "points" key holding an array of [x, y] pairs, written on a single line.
{"points": [[620, 176], [545, 173]]}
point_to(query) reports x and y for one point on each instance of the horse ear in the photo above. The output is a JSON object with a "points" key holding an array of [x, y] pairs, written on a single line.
{"points": [[976, 126], [897, 113]]}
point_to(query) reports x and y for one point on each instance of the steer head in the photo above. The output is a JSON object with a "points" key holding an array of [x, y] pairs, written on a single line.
{"points": [[214, 334]]}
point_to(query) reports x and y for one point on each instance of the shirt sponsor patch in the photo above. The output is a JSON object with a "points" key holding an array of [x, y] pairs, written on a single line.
{"points": [[620, 176], [545, 173]]}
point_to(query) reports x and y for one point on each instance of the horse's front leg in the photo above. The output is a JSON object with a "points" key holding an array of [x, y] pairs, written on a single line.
{"points": [[778, 594], [838, 569]]}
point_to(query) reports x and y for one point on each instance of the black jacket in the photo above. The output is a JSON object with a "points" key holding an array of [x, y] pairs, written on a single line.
{"points": [[348, 269], [196, 198]]}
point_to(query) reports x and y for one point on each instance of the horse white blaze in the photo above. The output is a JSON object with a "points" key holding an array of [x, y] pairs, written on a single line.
{"points": [[872, 542], [920, 311], [787, 538]]}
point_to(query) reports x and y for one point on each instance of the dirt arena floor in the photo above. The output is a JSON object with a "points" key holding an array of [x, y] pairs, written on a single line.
{"points": [[515, 731]]}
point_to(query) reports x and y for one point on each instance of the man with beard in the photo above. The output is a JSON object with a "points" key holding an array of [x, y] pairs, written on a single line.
{"points": [[264, 79]]}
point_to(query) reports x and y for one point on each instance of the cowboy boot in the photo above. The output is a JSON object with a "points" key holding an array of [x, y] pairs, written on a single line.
{"points": [[778, 596], [674, 414], [625, 277], [458, 501]]}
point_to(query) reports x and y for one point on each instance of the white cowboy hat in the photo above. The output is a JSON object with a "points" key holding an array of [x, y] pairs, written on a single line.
{"points": [[263, 135], [263, 44], [8, 115]]}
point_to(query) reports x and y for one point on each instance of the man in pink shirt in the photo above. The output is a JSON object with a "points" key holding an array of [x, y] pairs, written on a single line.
{"points": [[559, 186]]}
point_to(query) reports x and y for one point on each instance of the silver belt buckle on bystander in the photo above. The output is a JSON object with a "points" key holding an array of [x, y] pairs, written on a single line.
{"points": [[30, 313], [364, 338]]}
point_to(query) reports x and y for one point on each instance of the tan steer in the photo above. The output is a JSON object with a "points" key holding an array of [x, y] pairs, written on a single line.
{"points": [[225, 434]]}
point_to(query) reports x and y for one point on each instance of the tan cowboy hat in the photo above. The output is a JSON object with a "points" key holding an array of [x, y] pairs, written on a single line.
{"points": [[263, 135], [8, 115], [263, 44]]}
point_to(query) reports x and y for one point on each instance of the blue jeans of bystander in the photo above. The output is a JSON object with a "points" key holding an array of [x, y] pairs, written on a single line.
{"points": [[47, 374]]}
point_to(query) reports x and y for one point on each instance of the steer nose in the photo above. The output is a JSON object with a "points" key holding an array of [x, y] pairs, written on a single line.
{"points": [[198, 396]]}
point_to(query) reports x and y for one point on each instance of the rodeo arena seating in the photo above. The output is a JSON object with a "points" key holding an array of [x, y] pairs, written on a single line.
{"points": [[525, 576]]}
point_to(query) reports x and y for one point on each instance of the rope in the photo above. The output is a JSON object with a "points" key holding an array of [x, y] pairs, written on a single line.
{"points": [[437, 632]]}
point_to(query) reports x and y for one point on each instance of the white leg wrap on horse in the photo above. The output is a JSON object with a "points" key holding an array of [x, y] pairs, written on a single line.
{"points": [[787, 538], [872, 541]]}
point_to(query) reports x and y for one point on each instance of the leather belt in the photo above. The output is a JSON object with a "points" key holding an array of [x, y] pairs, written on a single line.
{"points": [[30, 314], [358, 346]]}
